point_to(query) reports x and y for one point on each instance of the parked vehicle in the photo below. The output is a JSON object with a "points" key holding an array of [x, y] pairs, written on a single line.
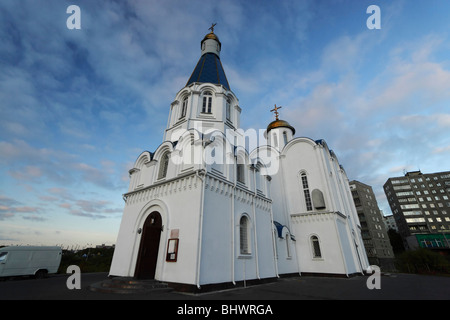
{"points": [[29, 260]]}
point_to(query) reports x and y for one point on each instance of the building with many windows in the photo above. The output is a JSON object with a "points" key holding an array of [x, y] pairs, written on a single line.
{"points": [[389, 222], [420, 203], [373, 230], [205, 209]]}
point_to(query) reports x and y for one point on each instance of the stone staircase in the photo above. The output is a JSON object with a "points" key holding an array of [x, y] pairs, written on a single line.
{"points": [[127, 285]]}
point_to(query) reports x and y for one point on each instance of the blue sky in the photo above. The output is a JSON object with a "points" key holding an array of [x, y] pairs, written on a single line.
{"points": [[77, 107]]}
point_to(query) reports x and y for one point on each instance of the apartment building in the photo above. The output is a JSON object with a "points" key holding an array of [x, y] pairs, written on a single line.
{"points": [[389, 222], [420, 203], [373, 229]]}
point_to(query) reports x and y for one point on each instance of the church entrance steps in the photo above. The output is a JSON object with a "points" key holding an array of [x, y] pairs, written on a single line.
{"points": [[126, 285]]}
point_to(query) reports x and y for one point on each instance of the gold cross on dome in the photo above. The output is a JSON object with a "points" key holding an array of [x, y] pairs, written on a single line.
{"points": [[212, 27], [276, 111]]}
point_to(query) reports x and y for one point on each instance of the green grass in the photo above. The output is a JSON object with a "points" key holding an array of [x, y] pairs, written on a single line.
{"points": [[89, 260]]}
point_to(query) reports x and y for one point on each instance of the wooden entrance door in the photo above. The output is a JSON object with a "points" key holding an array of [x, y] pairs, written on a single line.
{"points": [[149, 247]]}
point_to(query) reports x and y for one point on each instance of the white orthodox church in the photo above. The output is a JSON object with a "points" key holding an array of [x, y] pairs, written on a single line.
{"points": [[205, 209]]}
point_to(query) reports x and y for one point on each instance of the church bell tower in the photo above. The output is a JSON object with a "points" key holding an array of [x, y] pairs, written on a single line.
{"points": [[206, 103]]}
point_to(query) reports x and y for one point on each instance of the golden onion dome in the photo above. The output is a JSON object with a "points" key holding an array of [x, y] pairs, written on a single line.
{"points": [[212, 36], [280, 123]]}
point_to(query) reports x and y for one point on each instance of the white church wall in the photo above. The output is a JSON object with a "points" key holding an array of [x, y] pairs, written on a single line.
{"points": [[122, 259], [323, 227], [348, 251], [128, 240], [263, 241], [294, 166], [286, 258], [343, 203], [216, 264], [244, 264], [286, 264], [184, 221], [169, 200]]}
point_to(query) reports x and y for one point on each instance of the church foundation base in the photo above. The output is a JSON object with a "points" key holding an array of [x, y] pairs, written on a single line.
{"points": [[190, 288], [333, 275]]}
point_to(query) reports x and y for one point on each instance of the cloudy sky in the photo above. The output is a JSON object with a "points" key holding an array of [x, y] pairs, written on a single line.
{"points": [[78, 106]]}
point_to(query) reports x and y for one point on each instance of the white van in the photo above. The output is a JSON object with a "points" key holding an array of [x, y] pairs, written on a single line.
{"points": [[29, 260]]}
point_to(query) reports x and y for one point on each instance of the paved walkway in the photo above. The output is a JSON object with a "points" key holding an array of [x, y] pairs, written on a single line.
{"points": [[392, 287]]}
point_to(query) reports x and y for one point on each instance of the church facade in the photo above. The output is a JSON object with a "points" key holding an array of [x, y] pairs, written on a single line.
{"points": [[205, 208]]}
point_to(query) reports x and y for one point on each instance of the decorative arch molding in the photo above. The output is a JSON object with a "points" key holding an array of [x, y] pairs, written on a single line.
{"points": [[282, 230], [151, 206], [203, 88], [268, 157], [218, 152], [166, 146], [315, 246], [183, 93], [242, 155], [143, 158], [301, 172], [188, 136], [294, 141]]}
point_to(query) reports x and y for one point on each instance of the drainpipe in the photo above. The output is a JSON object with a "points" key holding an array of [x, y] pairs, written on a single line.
{"points": [[254, 222], [232, 225], [199, 173], [275, 262]]}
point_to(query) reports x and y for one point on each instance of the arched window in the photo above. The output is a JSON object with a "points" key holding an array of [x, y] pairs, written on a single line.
{"points": [[163, 166], [306, 192], [244, 235], [184, 108], [285, 137], [207, 100], [316, 247], [228, 110]]}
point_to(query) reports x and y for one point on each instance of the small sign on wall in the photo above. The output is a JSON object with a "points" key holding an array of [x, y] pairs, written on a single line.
{"points": [[172, 250]]}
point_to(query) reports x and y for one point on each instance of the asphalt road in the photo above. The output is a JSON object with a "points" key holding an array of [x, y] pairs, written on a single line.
{"points": [[392, 287]]}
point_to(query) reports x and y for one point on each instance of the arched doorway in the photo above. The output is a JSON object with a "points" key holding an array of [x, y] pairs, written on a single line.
{"points": [[149, 247]]}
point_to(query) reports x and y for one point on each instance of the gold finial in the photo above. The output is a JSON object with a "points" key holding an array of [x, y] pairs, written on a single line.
{"points": [[212, 27], [276, 111]]}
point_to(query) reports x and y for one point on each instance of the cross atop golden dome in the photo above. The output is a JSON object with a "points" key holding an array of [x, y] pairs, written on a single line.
{"points": [[276, 111], [212, 27], [212, 35]]}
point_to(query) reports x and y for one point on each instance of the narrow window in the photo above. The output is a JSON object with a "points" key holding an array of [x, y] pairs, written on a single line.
{"points": [[316, 247], [244, 238], [258, 180], [306, 192], [240, 175], [288, 245], [184, 108], [207, 98], [163, 166], [285, 137], [228, 110]]}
